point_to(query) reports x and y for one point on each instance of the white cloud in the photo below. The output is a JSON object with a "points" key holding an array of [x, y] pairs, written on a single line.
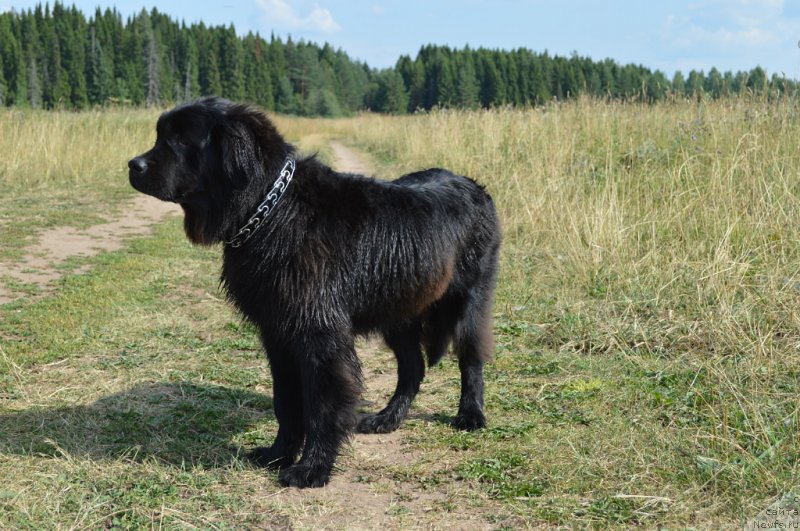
{"points": [[735, 15], [741, 26], [697, 37], [755, 13], [730, 35], [280, 14]]}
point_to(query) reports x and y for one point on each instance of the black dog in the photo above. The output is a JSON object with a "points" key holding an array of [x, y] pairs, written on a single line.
{"points": [[314, 257]]}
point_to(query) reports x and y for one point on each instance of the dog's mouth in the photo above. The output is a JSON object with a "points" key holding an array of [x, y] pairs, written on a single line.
{"points": [[149, 184]]}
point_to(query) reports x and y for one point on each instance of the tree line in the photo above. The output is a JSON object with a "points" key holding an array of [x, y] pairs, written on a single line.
{"points": [[58, 58]]}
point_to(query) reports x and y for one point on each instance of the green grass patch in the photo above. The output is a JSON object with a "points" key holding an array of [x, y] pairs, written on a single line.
{"points": [[646, 365]]}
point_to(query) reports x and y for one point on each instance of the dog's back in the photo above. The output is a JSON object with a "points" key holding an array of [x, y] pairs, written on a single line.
{"points": [[476, 266], [430, 235]]}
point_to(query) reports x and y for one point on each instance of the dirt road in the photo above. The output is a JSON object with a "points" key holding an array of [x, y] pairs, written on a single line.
{"points": [[40, 263]]}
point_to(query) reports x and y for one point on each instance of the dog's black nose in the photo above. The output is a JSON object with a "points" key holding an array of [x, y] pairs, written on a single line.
{"points": [[139, 165]]}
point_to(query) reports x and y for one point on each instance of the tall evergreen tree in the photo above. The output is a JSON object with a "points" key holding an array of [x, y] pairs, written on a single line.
{"points": [[210, 78], [276, 61], [257, 79], [231, 64], [285, 101], [190, 68], [468, 88], [390, 95], [100, 77], [492, 87], [34, 84], [54, 56], [657, 87], [678, 84], [353, 80], [713, 83], [413, 74], [757, 81], [727, 84], [3, 88], [152, 71], [8, 51], [74, 59], [694, 84]]}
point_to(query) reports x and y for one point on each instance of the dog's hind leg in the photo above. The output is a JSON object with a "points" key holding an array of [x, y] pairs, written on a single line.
{"points": [[405, 342], [331, 386], [288, 406], [474, 346]]}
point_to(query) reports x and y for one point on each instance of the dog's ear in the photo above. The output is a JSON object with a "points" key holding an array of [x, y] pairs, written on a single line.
{"points": [[239, 154]]}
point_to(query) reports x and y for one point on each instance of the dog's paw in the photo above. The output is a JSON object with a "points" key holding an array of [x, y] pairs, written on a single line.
{"points": [[269, 457], [304, 476], [377, 423], [469, 421]]}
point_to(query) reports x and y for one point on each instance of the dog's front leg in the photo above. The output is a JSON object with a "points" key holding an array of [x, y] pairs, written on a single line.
{"points": [[287, 402], [331, 386]]}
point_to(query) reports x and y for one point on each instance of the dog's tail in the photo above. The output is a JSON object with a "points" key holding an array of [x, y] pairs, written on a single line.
{"points": [[438, 330]]}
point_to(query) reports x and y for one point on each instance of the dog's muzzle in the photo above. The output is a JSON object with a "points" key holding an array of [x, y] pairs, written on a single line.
{"points": [[137, 166]]}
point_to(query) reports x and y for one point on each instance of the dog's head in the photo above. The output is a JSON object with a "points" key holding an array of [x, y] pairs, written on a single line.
{"points": [[209, 156]]}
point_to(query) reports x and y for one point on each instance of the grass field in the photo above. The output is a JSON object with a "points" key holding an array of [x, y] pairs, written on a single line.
{"points": [[648, 340]]}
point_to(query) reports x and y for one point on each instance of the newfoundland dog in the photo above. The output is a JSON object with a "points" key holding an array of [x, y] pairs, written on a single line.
{"points": [[314, 257]]}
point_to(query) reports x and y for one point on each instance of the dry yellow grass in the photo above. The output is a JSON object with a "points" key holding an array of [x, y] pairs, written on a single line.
{"points": [[655, 241], [648, 340], [689, 205], [65, 148]]}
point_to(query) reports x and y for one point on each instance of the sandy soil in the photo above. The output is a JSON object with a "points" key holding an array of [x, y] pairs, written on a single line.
{"points": [[39, 265], [348, 160]]}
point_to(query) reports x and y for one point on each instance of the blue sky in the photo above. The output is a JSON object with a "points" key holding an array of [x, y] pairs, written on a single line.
{"points": [[666, 35]]}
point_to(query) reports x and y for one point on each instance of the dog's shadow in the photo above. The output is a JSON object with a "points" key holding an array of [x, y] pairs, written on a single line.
{"points": [[181, 424]]}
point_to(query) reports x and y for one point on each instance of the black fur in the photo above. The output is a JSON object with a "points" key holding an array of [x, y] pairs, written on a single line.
{"points": [[414, 259]]}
